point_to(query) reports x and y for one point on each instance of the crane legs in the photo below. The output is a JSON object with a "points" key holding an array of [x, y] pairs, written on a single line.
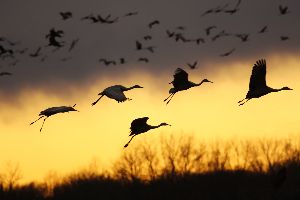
{"points": [[97, 100], [242, 102], [37, 120], [126, 145], [169, 97], [43, 124]]}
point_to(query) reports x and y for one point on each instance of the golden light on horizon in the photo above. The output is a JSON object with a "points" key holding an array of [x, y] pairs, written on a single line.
{"points": [[69, 141]]}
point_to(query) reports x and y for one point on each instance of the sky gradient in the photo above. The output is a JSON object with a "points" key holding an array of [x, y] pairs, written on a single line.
{"points": [[70, 141]]}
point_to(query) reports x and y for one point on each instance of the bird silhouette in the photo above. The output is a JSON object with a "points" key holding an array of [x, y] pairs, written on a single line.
{"points": [[143, 59], [139, 126], [208, 29], [107, 62], [52, 111], [243, 37], [227, 53], [182, 28], [257, 85], [73, 44], [130, 14], [284, 38], [263, 29], [170, 34], [198, 40], [147, 37], [283, 10], [220, 34], [122, 61], [138, 45], [181, 82], [192, 66], [36, 53], [151, 24], [5, 74], [66, 15], [115, 92], [92, 18]]}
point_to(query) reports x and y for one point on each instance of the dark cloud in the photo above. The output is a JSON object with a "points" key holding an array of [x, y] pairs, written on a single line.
{"points": [[29, 22]]}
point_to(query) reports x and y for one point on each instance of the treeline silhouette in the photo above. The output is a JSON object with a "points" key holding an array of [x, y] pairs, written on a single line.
{"points": [[179, 168]]}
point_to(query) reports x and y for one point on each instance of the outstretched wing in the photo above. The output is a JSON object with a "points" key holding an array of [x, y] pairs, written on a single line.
{"points": [[137, 125], [258, 76], [180, 78]]}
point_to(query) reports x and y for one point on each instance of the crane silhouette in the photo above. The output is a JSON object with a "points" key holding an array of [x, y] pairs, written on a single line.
{"points": [[115, 92], [139, 126], [52, 111], [257, 85], [181, 82]]}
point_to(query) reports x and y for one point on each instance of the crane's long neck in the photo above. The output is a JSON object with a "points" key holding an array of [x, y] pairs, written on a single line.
{"points": [[198, 84], [154, 127], [130, 88]]}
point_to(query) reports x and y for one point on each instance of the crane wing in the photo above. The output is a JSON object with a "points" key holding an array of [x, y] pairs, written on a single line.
{"points": [[258, 76], [137, 125], [180, 78], [115, 92]]}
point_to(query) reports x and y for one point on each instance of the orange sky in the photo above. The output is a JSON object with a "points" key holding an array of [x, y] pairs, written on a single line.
{"points": [[70, 141]]}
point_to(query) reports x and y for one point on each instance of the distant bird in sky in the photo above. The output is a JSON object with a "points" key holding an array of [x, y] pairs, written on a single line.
{"points": [[220, 34], [227, 53], [243, 37], [233, 10], [192, 66], [73, 44], [3, 51], [257, 85], [122, 61], [151, 24], [5, 74], [52, 111], [147, 37], [66, 15], [208, 29], [115, 92], [36, 53], [263, 29], [130, 14], [283, 10], [22, 51], [92, 18], [138, 45], [179, 36], [150, 48], [284, 38], [182, 28], [170, 34], [107, 62], [181, 82], [139, 126], [198, 40], [146, 60]]}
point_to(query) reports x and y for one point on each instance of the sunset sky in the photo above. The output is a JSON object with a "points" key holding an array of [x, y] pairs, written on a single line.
{"points": [[210, 112]]}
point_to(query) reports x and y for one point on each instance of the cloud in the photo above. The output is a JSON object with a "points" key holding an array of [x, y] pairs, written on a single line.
{"points": [[29, 22]]}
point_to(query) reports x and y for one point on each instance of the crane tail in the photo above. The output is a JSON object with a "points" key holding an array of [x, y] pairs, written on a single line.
{"points": [[36, 120], [43, 124], [126, 145], [97, 100]]}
